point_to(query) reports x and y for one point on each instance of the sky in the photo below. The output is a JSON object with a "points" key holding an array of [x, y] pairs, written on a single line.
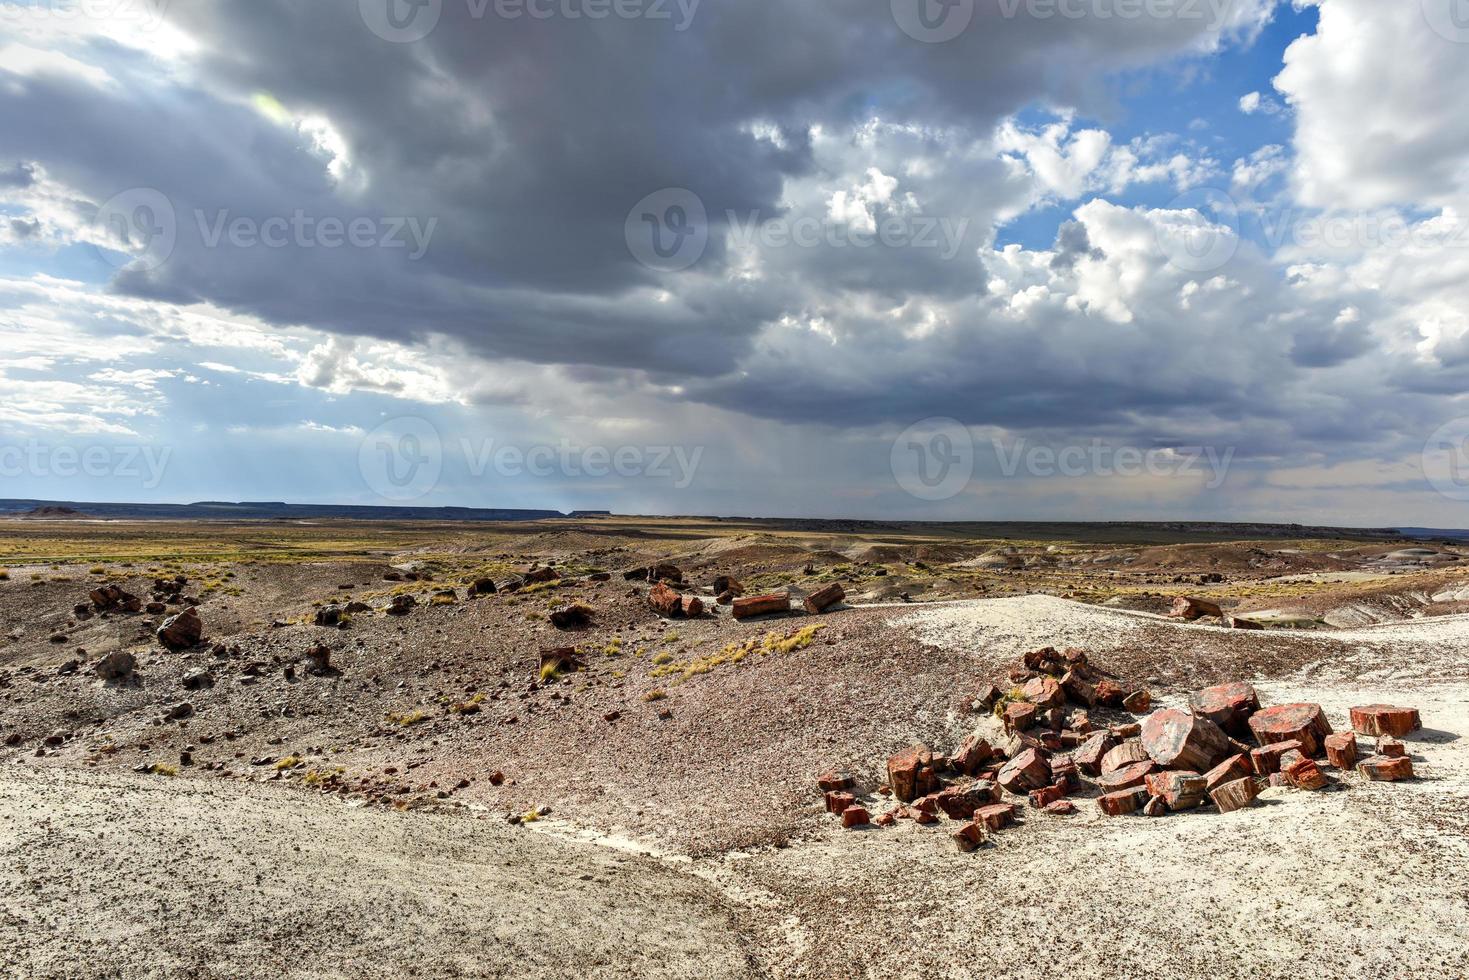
{"points": [[921, 259]]}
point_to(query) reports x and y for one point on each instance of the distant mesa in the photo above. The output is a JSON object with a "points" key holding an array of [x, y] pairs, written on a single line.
{"points": [[52, 512]]}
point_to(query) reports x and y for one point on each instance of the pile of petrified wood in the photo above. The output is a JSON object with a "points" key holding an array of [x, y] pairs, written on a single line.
{"points": [[1218, 752]]}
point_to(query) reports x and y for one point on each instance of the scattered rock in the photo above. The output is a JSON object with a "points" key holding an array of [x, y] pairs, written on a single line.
{"points": [[182, 631], [115, 666]]}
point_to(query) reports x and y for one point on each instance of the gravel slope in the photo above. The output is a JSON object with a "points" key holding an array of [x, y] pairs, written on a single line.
{"points": [[108, 875]]}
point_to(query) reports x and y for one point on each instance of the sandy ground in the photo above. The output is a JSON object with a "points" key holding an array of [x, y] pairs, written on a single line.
{"points": [[187, 877], [110, 875]]}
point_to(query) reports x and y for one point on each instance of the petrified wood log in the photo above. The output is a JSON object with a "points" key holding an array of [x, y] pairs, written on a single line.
{"points": [[1385, 719], [1178, 740], [761, 605], [1305, 722], [1235, 767], [825, 597], [1125, 754], [1235, 795], [1227, 705], [1341, 750], [1027, 771], [1381, 768]]}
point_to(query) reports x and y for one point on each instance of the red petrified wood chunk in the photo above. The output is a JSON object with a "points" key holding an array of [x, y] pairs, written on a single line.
{"points": [[824, 597], [1227, 705], [829, 781], [1381, 768], [1138, 702], [1047, 661], [1235, 767], [1123, 801], [1045, 796], [1063, 771], [1078, 688], [1178, 740], [1125, 754], [1385, 719], [970, 836], [692, 605], [886, 820], [1027, 771], [1304, 722], [960, 802], [761, 605], [1109, 694], [1266, 759], [1020, 715], [1155, 807], [1061, 808], [973, 753], [837, 801], [1235, 795], [1089, 757], [1044, 692], [855, 816], [1341, 750], [1127, 777], [1188, 607], [1391, 747], [1180, 790], [1130, 729], [995, 815], [986, 697], [911, 773], [1303, 773]]}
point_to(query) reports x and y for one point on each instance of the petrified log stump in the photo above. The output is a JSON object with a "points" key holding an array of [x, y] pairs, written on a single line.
{"points": [[1190, 607], [1341, 750], [1235, 795], [1227, 705], [1178, 740], [761, 605], [1020, 715], [665, 601], [1304, 722], [825, 597], [1385, 719]]}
